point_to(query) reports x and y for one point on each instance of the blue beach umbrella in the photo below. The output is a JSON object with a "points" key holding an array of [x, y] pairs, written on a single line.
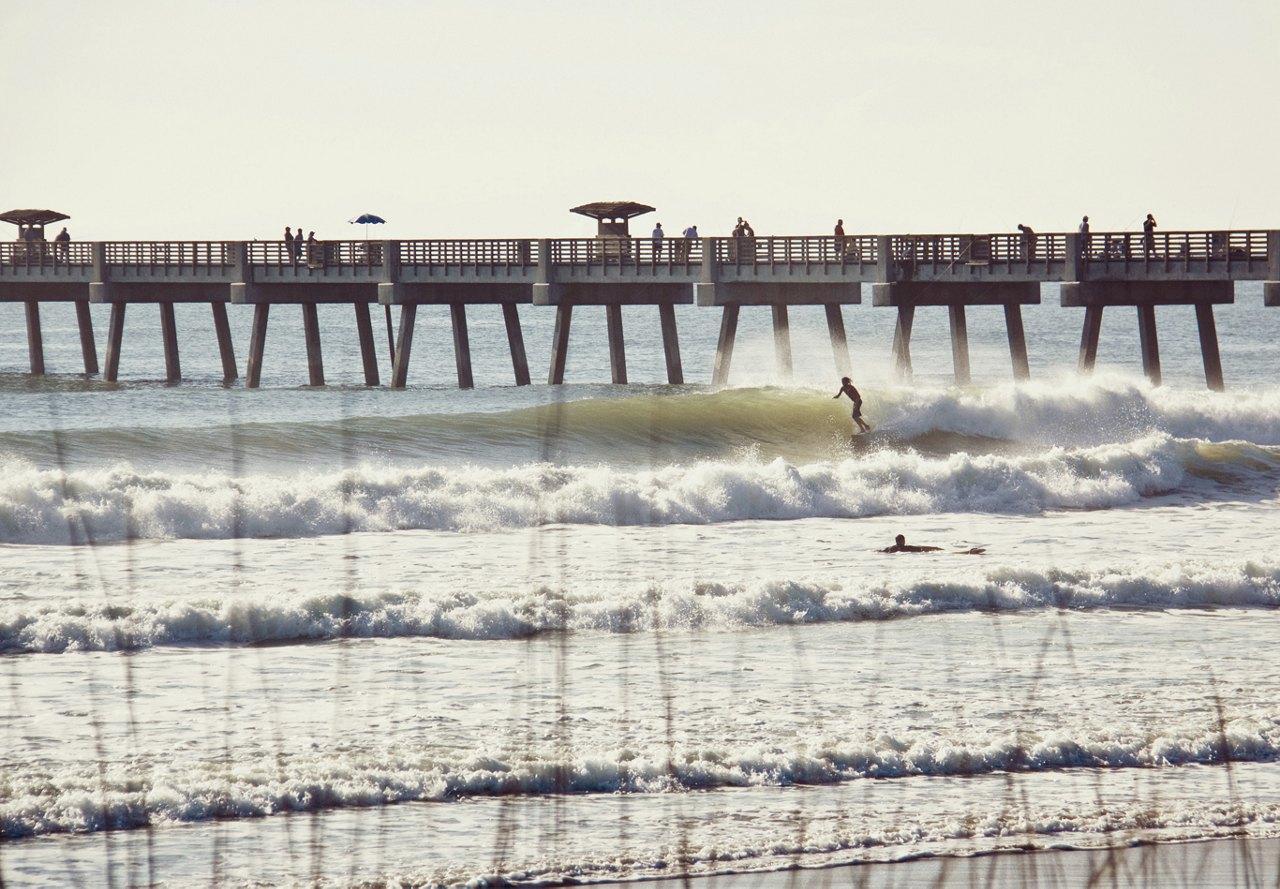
{"points": [[367, 219]]}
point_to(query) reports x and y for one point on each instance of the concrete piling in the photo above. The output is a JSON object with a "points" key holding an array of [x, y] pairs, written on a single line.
{"points": [[515, 340], [724, 347], [88, 349], [311, 335], [461, 345], [368, 352], [560, 343], [404, 346], [35, 338], [782, 340], [617, 344], [839, 341]]}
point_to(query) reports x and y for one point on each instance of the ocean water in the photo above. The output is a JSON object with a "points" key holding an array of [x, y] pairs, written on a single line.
{"points": [[352, 636]]}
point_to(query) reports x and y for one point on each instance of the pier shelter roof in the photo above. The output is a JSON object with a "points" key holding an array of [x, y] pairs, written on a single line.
{"points": [[612, 216], [32, 217]]}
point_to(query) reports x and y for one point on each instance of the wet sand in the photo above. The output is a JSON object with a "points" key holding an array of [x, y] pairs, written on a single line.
{"points": [[1194, 865]]}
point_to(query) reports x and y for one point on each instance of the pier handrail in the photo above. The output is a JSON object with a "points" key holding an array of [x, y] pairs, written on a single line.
{"points": [[789, 250], [180, 254], [1176, 248], [492, 252], [969, 249], [316, 254], [51, 254], [639, 254]]}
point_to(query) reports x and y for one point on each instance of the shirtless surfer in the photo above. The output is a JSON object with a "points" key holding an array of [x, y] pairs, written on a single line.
{"points": [[846, 388], [900, 545]]}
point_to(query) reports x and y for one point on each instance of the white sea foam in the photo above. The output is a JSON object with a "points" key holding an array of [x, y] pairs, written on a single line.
{"points": [[673, 606], [158, 789], [1073, 411], [54, 506]]}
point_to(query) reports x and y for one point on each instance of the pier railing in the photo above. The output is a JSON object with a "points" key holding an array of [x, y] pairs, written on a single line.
{"points": [[1186, 250], [50, 254], [1197, 252], [792, 250], [170, 254], [497, 253], [973, 249], [316, 254], [627, 253]]}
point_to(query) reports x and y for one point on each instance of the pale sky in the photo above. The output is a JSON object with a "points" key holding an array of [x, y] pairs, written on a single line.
{"points": [[229, 120]]}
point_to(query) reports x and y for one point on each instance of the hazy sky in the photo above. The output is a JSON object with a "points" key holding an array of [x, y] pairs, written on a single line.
{"points": [[195, 119]]}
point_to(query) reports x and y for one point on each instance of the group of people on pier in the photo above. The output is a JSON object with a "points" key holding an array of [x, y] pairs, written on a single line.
{"points": [[294, 244]]}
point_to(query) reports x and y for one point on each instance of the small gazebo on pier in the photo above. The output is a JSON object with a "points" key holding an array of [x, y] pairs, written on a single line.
{"points": [[31, 225], [613, 224]]}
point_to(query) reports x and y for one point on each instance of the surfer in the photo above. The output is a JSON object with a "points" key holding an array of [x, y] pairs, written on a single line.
{"points": [[846, 388], [900, 545]]}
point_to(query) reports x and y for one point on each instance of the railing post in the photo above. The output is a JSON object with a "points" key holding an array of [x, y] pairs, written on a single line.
{"points": [[100, 272], [1075, 261], [710, 271], [240, 262], [1271, 287], [390, 262], [884, 258]]}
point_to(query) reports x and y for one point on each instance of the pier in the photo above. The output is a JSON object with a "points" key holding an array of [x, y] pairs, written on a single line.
{"points": [[1118, 270]]}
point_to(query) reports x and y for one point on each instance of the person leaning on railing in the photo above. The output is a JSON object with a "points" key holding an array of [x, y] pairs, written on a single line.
{"points": [[62, 245]]}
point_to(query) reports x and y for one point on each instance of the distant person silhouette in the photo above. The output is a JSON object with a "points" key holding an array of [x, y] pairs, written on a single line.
{"points": [[61, 243], [690, 235], [1084, 236], [297, 244], [658, 235], [1028, 241], [1149, 236], [288, 244], [839, 238], [847, 388]]}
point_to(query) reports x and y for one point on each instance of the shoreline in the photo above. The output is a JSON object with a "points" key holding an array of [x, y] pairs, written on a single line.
{"points": [[1229, 861]]}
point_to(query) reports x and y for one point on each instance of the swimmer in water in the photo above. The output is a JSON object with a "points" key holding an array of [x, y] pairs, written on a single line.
{"points": [[900, 545]]}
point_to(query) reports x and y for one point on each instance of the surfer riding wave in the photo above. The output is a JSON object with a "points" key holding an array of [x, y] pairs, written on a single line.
{"points": [[847, 388]]}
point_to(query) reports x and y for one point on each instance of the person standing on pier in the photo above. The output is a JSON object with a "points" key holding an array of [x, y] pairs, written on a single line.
{"points": [[1028, 241], [288, 244], [297, 245], [1084, 237], [1148, 236], [658, 235], [847, 388], [690, 235], [61, 244], [839, 239]]}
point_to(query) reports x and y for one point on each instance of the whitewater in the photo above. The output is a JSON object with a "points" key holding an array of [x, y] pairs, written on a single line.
{"points": [[351, 636]]}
